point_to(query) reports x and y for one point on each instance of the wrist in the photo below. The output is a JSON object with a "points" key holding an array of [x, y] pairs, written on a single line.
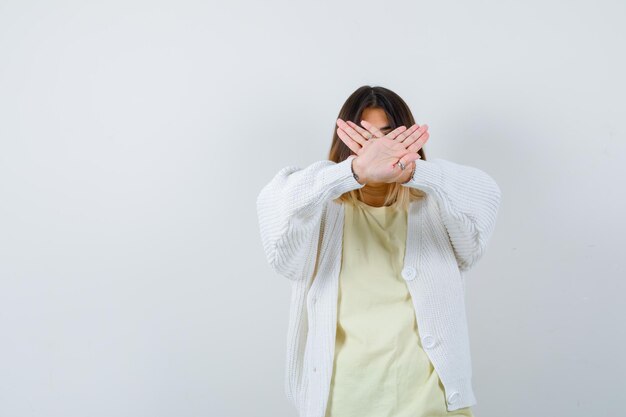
{"points": [[412, 173], [357, 171]]}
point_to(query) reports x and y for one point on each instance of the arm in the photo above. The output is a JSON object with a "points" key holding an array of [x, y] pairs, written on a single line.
{"points": [[468, 200], [290, 208]]}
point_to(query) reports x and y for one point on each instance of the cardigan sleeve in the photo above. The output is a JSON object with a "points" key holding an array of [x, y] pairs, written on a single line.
{"points": [[290, 209], [468, 200]]}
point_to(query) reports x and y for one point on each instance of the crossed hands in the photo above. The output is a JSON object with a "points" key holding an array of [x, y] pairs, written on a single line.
{"points": [[382, 158]]}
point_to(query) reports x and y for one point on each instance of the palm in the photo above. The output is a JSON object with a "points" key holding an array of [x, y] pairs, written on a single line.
{"points": [[380, 156]]}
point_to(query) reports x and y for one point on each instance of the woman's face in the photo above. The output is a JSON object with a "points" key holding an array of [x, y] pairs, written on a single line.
{"points": [[377, 117]]}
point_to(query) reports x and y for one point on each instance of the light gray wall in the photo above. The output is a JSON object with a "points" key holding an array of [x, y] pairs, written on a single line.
{"points": [[135, 136]]}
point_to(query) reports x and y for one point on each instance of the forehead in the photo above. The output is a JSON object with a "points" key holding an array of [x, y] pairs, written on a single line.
{"points": [[376, 117]]}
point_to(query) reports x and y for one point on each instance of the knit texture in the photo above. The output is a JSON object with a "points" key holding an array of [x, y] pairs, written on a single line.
{"points": [[301, 228]]}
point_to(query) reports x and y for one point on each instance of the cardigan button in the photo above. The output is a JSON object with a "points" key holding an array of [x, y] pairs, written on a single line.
{"points": [[453, 397], [428, 341], [408, 273]]}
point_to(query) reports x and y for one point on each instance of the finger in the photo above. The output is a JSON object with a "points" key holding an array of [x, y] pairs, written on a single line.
{"points": [[373, 129], [395, 132], [350, 143], [363, 132], [402, 136], [418, 144], [402, 162], [416, 135], [398, 166], [409, 157], [351, 132]]}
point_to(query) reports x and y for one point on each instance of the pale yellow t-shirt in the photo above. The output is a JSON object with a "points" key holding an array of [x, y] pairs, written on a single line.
{"points": [[380, 368]]}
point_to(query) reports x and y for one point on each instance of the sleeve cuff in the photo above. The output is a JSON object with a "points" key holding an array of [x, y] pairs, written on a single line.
{"points": [[346, 181], [427, 176]]}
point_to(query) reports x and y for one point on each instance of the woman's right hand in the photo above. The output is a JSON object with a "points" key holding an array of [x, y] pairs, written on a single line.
{"points": [[377, 158]]}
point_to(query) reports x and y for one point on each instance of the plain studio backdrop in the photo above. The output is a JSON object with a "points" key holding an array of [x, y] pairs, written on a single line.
{"points": [[135, 137]]}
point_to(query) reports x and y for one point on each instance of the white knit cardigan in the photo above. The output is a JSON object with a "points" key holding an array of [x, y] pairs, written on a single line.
{"points": [[301, 228]]}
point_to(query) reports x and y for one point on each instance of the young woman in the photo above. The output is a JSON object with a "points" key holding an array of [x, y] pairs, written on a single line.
{"points": [[376, 242]]}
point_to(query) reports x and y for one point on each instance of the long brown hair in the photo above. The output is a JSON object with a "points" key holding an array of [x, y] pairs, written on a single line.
{"points": [[398, 114]]}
